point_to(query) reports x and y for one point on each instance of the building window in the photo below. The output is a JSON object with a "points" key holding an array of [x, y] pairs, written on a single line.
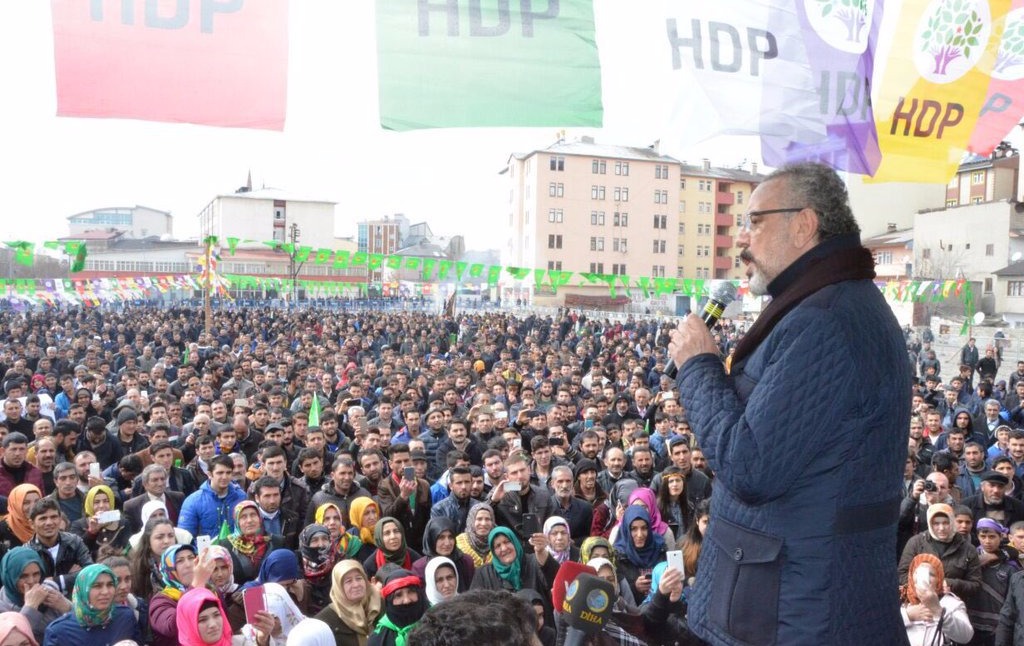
{"points": [[621, 194], [1015, 288], [706, 185], [555, 265], [621, 168], [977, 200], [659, 246], [620, 219], [883, 258], [926, 254], [597, 192], [619, 269], [739, 197], [557, 163], [682, 228], [978, 177], [682, 183], [597, 217], [597, 267], [598, 167], [619, 244], [736, 262], [554, 241], [680, 254], [661, 171], [660, 221], [950, 203], [555, 215], [596, 243], [990, 250], [556, 189], [279, 213], [682, 206], [988, 286]]}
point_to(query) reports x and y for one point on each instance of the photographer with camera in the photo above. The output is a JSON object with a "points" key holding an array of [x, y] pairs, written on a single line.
{"points": [[914, 509]]}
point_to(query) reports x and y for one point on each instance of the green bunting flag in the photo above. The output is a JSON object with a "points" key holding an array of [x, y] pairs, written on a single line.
{"points": [[78, 264], [225, 531], [314, 412]]}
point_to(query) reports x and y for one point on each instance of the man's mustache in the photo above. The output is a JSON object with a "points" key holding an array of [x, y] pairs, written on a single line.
{"points": [[746, 256]]}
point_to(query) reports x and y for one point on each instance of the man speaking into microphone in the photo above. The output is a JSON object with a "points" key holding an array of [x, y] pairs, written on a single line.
{"points": [[807, 435]]}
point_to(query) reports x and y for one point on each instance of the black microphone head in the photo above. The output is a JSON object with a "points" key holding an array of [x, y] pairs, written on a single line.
{"points": [[588, 602], [723, 291]]}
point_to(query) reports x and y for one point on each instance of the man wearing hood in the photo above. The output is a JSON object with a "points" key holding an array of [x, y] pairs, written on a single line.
{"points": [[959, 558], [963, 421]]}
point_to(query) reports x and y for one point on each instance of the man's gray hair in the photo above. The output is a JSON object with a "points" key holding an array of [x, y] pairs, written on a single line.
{"points": [[151, 469], [820, 188]]}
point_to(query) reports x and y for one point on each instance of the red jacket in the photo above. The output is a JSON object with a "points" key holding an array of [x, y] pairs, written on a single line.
{"points": [[32, 476]]}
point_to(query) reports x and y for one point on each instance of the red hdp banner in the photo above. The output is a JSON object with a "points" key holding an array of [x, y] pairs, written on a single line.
{"points": [[210, 62]]}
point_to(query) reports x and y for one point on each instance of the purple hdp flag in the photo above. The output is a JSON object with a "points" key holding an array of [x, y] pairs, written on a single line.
{"points": [[840, 36]]}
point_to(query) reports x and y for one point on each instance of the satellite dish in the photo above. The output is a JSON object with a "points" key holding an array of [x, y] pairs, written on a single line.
{"points": [[1016, 257], [979, 318]]}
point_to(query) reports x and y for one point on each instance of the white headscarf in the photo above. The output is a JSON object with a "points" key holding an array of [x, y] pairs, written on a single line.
{"points": [[311, 632], [433, 595]]}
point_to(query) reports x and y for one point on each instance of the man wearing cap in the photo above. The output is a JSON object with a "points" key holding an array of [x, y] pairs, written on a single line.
{"points": [[959, 558], [127, 432], [993, 502]]}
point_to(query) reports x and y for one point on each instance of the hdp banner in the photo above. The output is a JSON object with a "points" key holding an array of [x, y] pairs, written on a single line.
{"points": [[452, 63], [841, 37], [935, 86], [211, 62], [1004, 105]]}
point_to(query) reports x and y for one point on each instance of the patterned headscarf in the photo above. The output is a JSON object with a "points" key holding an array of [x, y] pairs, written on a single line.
{"points": [[11, 567], [16, 518], [86, 615], [316, 562], [345, 546], [355, 513], [589, 543], [173, 586], [218, 553], [549, 525], [252, 547]]}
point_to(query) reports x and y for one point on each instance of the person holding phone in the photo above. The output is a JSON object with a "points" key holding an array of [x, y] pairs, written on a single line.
{"points": [[405, 497], [101, 528]]}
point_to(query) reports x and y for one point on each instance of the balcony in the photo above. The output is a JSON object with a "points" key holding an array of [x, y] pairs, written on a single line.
{"points": [[724, 197], [723, 242], [724, 220], [723, 262]]}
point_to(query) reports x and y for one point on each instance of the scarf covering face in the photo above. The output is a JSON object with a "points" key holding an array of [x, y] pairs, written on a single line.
{"points": [[15, 621], [908, 593], [437, 526], [174, 587], [590, 543], [649, 554], [401, 619], [934, 510], [646, 496], [91, 497], [312, 632], [550, 524], [87, 616], [481, 544], [16, 518], [252, 547], [361, 616], [11, 567], [218, 553], [399, 557], [347, 545], [187, 617], [355, 513], [316, 562], [510, 573], [433, 596]]}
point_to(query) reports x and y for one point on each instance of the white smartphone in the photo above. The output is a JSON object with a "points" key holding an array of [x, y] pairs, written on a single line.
{"points": [[675, 561], [94, 470], [202, 542], [112, 516], [513, 486]]}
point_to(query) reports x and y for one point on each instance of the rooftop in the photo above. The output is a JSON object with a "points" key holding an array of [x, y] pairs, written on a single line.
{"points": [[270, 193]]}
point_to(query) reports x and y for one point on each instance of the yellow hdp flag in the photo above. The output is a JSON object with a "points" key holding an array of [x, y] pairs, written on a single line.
{"points": [[935, 86]]}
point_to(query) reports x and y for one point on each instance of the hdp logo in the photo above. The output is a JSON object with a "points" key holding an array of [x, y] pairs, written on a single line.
{"points": [[843, 24], [950, 39], [1009, 65]]}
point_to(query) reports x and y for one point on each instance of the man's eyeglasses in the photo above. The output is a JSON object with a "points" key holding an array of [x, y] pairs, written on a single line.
{"points": [[751, 214]]}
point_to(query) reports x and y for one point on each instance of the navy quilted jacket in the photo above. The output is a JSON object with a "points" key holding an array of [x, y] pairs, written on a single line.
{"points": [[803, 524]]}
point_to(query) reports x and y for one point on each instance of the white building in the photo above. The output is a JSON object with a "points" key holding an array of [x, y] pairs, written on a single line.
{"points": [[132, 221], [270, 214]]}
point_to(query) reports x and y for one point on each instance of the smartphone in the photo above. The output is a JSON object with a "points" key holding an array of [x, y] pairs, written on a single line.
{"points": [[501, 414], [675, 560], [588, 424], [531, 525], [353, 402], [255, 600], [112, 516], [410, 473], [202, 542], [517, 444], [513, 486], [94, 470], [923, 576]]}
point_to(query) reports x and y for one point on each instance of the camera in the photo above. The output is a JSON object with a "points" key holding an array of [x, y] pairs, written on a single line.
{"points": [[930, 486]]}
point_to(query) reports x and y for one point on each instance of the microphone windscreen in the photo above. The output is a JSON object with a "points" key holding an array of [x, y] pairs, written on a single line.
{"points": [[567, 573], [589, 599]]}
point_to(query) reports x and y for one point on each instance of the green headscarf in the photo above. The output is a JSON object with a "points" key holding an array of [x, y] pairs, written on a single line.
{"points": [[509, 573], [11, 567], [86, 615]]}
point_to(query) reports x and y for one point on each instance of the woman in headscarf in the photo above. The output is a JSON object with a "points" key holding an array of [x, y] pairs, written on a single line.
{"points": [[281, 577], [596, 547], [201, 621], [249, 544], [15, 527], [95, 617], [355, 605], [21, 571], [389, 537], [512, 569], [311, 632], [560, 546], [121, 568], [180, 571], [15, 630], [639, 549], [157, 536], [960, 565], [364, 513], [343, 544], [439, 540], [157, 509], [102, 539], [624, 601], [222, 580], [315, 548], [404, 605], [929, 615], [440, 579], [473, 541], [644, 498]]}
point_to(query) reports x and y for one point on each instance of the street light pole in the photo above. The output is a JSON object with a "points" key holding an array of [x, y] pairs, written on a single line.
{"points": [[294, 235]]}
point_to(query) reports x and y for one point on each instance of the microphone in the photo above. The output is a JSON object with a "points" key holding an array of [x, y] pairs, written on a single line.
{"points": [[567, 573], [721, 294], [587, 605]]}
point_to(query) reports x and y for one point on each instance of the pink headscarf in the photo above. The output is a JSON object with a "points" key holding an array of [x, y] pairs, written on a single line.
{"points": [[646, 496], [10, 621], [187, 618]]}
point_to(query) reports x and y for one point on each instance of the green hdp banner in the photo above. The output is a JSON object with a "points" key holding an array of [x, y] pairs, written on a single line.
{"points": [[485, 63]]}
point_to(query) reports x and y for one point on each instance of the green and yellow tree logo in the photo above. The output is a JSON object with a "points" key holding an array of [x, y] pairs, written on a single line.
{"points": [[1011, 49], [953, 31], [852, 13]]}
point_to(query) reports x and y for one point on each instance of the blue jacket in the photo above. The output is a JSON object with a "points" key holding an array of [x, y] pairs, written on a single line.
{"points": [[67, 630], [800, 548], [203, 512]]}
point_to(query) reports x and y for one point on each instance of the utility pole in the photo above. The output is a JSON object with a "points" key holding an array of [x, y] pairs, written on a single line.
{"points": [[294, 234]]}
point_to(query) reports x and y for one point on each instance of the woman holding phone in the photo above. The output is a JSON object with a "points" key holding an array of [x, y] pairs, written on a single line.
{"points": [[101, 527]]}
